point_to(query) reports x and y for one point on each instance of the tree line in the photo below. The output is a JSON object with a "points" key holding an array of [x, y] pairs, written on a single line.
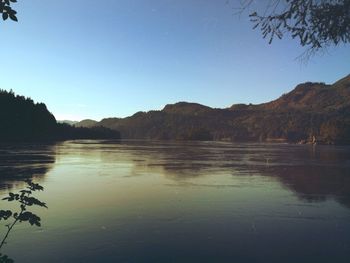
{"points": [[22, 120]]}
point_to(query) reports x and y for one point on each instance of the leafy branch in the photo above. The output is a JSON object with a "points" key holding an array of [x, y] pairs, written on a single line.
{"points": [[7, 11], [316, 24], [25, 199]]}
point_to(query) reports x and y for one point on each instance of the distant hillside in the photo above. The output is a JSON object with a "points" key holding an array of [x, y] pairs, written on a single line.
{"points": [[312, 112], [186, 108], [314, 97], [86, 123], [23, 120], [67, 122]]}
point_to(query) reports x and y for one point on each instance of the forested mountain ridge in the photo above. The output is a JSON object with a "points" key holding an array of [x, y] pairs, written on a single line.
{"points": [[312, 112], [22, 120], [315, 96]]}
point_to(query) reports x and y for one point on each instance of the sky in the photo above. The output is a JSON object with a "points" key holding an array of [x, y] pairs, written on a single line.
{"points": [[113, 58]]}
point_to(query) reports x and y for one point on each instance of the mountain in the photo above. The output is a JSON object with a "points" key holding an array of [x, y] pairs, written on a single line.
{"points": [[67, 122], [186, 108], [314, 97], [312, 112], [23, 120], [86, 123]]}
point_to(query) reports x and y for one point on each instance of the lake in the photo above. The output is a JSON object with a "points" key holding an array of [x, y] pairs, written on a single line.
{"points": [[158, 201]]}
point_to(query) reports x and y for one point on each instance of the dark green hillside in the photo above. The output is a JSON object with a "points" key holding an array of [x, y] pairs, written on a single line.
{"points": [[22, 120]]}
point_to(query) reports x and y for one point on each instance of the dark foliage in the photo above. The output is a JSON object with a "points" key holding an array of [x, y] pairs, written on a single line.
{"points": [[316, 24], [5, 259], [7, 11], [68, 132], [25, 199], [23, 120]]}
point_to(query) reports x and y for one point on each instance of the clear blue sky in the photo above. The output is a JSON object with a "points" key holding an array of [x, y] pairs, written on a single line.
{"points": [[112, 58]]}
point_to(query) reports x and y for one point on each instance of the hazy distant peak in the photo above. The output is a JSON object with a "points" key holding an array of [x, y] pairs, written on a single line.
{"points": [[87, 123], [67, 122]]}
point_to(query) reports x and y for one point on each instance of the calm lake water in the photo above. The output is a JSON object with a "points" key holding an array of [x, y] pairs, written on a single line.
{"points": [[139, 201]]}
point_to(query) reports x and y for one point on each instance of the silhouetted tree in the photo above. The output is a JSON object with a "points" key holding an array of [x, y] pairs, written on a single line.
{"points": [[7, 11], [317, 24]]}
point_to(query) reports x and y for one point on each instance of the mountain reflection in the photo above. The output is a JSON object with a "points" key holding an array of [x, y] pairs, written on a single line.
{"points": [[313, 173], [315, 183], [138, 201], [24, 161]]}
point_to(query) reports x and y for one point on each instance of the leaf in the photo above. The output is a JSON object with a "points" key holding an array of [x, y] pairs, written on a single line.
{"points": [[26, 191], [5, 15], [11, 197], [30, 217], [253, 14], [33, 186], [5, 214], [33, 201], [13, 17]]}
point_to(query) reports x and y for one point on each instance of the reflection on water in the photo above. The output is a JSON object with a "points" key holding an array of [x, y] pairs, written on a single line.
{"points": [[24, 161], [314, 173], [139, 201]]}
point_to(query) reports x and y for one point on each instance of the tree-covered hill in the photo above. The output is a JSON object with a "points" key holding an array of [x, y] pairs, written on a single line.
{"points": [[314, 97], [21, 120], [312, 112]]}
